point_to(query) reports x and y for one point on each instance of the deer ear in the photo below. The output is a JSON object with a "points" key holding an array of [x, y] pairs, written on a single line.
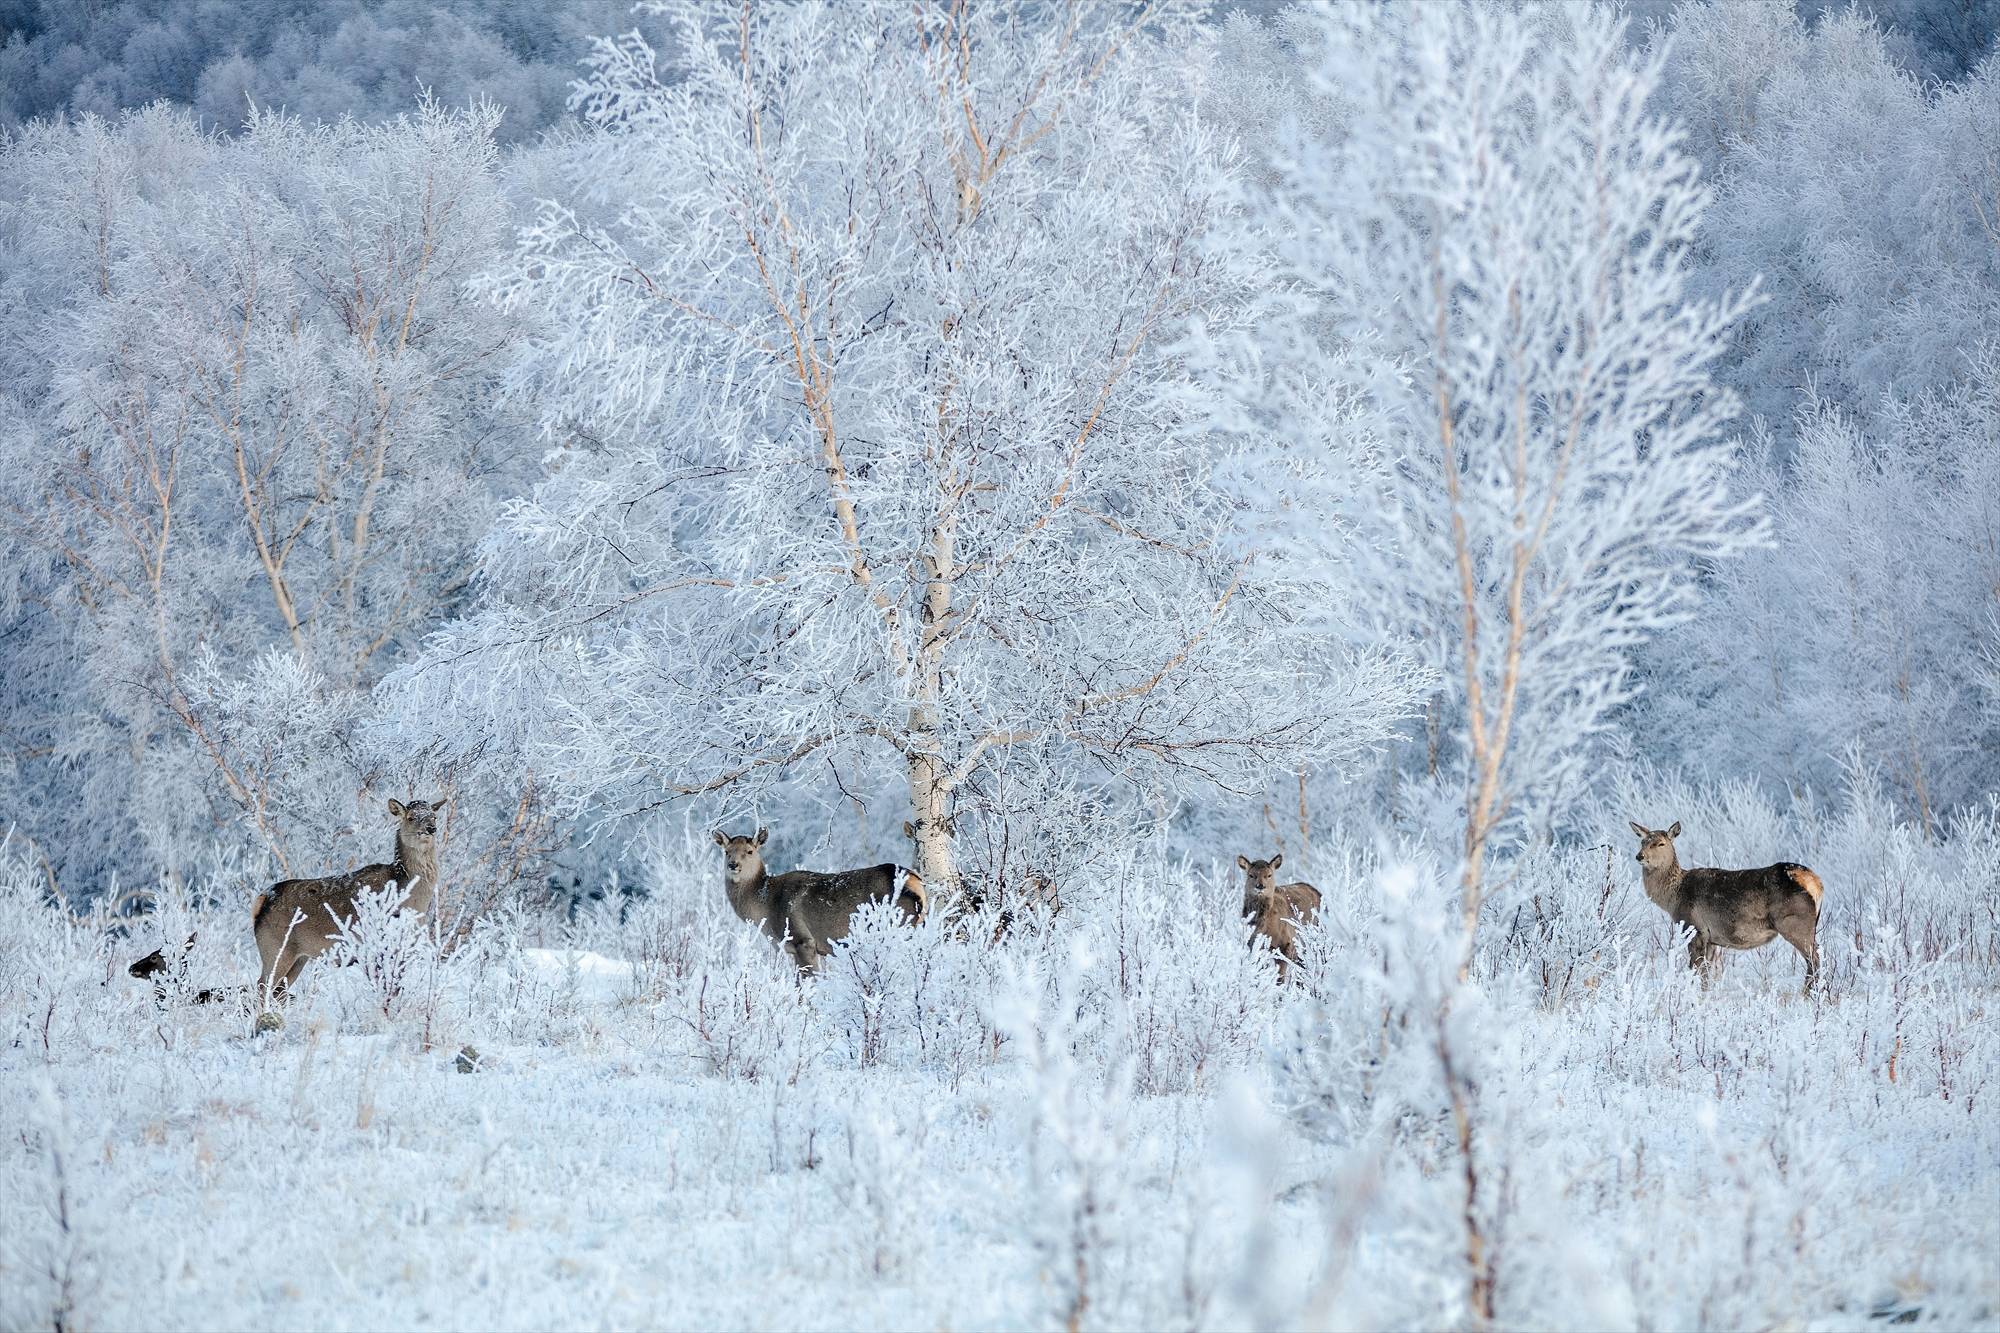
{"points": [[1242, 861], [1638, 828], [721, 838], [439, 804], [395, 808], [762, 833], [1675, 831], [1277, 860]]}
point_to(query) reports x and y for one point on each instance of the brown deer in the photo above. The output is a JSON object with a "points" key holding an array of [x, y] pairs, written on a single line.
{"points": [[1276, 911], [812, 907], [1732, 909], [297, 919]]}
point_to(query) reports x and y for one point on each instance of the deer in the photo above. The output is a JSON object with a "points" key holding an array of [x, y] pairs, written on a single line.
{"points": [[1276, 911], [1731, 909], [297, 920], [158, 968], [810, 909]]}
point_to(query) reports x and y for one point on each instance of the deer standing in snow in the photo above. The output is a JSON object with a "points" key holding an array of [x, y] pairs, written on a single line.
{"points": [[812, 907], [1276, 911], [297, 919], [1732, 909]]}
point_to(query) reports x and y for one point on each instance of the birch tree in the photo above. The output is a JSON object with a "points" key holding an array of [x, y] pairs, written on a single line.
{"points": [[869, 459], [1498, 247]]}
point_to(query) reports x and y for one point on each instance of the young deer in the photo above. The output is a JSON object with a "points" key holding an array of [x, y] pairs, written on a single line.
{"points": [[297, 919], [1732, 909], [158, 968], [1276, 911], [812, 906]]}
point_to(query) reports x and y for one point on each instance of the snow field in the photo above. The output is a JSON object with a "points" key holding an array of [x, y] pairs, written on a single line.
{"points": [[1114, 1115]]}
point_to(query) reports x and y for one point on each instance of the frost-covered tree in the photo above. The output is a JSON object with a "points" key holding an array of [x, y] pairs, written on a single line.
{"points": [[1937, 39], [870, 455], [254, 444], [1862, 198], [1259, 75], [1500, 246], [316, 59], [1868, 624]]}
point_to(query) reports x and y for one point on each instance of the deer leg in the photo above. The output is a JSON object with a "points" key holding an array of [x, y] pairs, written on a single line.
{"points": [[1701, 958], [292, 972], [270, 981], [805, 949], [1801, 930]]}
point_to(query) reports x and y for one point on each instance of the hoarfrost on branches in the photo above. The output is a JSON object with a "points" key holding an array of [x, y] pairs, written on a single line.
{"points": [[1493, 260], [869, 454]]}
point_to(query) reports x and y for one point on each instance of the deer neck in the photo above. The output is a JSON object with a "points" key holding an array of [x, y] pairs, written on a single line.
{"points": [[749, 896], [416, 872], [1663, 883], [1262, 904]]}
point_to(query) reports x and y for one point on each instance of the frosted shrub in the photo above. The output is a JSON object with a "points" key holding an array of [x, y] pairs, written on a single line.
{"points": [[52, 962], [543, 1007], [1567, 917], [1076, 1137], [909, 995], [175, 918], [399, 960], [664, 937], [1363, 1053], [742, 1012], [1191, 994], [56, 1256], [877, 1163]]}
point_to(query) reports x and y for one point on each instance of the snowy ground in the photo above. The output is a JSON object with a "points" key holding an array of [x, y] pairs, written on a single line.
{"points": [[1117, 1118]]}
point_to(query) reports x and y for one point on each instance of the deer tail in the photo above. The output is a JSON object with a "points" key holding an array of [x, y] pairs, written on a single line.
{"points": [[1807, 882], [913, 898], [257, 908]]}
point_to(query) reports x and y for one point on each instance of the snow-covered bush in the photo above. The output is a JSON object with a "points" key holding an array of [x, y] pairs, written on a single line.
{"points": [[1075, 1199], [913, 995], [1188, 991]]}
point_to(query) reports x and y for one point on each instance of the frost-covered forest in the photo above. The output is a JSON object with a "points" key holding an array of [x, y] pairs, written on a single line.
{"points": [[1102, 466]]}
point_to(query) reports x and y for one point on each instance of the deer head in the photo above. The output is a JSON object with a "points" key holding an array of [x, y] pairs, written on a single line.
{"points": [[1260, 878], [742, 862], [1656, 846], [417, 823]]}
